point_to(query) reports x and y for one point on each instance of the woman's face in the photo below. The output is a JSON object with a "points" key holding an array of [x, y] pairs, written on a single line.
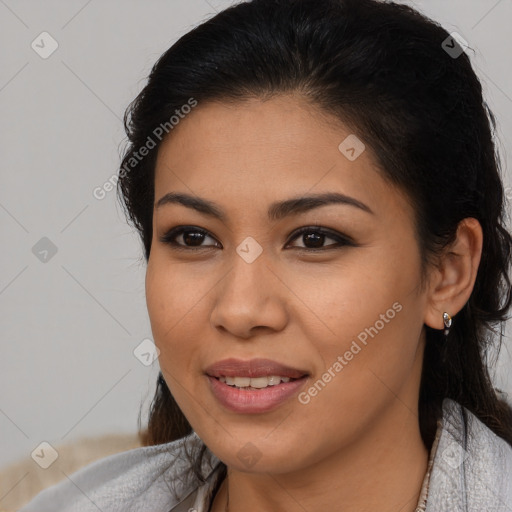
{"points": [[340, 304]]}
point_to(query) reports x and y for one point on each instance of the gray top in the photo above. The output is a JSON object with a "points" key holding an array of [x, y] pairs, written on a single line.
{"points": [[471, 471]]}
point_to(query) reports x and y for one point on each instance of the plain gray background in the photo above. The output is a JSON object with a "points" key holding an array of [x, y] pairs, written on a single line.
{"points": [[70, 324]]}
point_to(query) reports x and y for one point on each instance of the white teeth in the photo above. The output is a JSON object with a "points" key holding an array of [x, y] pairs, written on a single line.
{"points": [[274, 380], [241, 382], [256, 382], [260, 382]]}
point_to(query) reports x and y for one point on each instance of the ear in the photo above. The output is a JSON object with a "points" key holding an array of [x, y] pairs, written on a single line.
{"points": [[453, 279]]}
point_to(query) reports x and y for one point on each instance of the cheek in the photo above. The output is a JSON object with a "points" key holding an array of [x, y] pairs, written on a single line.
{"points": [[372, 315], [173, 305], [170, 298], [353, 295]]}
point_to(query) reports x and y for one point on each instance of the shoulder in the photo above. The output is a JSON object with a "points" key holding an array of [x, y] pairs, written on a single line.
{"points": [[160, 475], [472, 467]]}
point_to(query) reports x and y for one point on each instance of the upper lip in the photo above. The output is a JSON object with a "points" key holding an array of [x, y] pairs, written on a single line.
{"points": [[252, 368]]}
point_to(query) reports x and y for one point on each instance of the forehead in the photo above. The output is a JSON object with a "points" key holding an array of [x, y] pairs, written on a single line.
{"points": [[275, 130], [259, 151]]}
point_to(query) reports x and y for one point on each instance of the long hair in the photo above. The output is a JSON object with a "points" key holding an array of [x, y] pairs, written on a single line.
{"points": [[387, 72]]}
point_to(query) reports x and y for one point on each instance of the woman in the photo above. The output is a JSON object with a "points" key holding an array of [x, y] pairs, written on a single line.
{"points": [[318, 194]]}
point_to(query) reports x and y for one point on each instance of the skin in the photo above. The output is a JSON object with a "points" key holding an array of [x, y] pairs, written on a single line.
{"points": [[356, 445]]}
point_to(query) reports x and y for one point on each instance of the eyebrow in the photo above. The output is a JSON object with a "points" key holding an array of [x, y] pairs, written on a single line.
{"points": [[276, 211]]}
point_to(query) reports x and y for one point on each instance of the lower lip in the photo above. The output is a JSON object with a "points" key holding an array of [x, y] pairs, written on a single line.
{"points": [[254, 401]]}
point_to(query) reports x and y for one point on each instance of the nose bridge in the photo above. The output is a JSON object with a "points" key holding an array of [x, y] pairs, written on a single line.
{"points": [[249, 273], [248, 296]]}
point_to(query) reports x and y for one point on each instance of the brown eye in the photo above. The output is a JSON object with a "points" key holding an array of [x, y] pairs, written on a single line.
{"points": [[192, 237], [314, 238]]}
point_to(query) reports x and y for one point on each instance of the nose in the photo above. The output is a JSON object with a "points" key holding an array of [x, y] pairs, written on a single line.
{"points": [[250, 300]]}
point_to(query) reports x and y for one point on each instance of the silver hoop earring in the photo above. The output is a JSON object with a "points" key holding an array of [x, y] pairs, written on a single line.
{"points": [[447, 319]]}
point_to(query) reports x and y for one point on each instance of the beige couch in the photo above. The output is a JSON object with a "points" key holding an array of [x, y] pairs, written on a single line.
{"points": [[21, 481]]}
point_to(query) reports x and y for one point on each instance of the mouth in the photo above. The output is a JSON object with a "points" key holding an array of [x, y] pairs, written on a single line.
{"points": [[255, 383], [254, 386]]}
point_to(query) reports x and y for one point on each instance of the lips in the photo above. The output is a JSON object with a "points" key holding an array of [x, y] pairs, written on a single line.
{"points": [[253, 368]]}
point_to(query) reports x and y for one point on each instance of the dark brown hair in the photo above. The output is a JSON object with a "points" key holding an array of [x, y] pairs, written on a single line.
{"points": [[383, 69]]}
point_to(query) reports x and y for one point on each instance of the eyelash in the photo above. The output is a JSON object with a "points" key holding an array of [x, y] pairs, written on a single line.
{"points": [[342, 240]]}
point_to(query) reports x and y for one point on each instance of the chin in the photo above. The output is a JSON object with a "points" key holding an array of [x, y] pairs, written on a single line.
{"points": [[255, 454]]}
